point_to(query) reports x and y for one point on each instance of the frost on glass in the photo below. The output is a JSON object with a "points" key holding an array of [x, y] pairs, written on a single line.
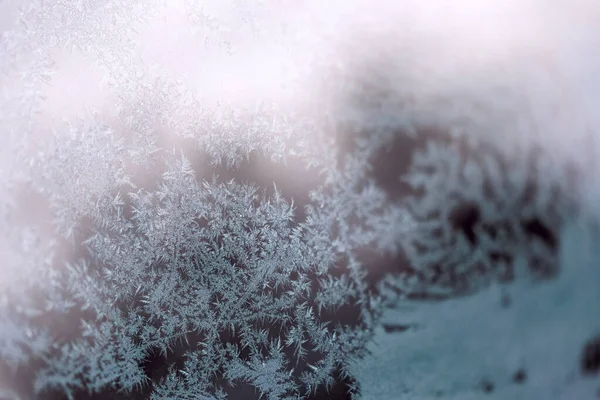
{"points": [[143, 271], [523, 341], [476, 210], [178, 244]]}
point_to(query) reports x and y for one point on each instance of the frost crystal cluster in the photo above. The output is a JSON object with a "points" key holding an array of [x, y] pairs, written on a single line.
{"points": [[244, 199]]}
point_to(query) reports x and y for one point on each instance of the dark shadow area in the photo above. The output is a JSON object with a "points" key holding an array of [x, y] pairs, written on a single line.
{"points": [[590, 357], [464, 219]]}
